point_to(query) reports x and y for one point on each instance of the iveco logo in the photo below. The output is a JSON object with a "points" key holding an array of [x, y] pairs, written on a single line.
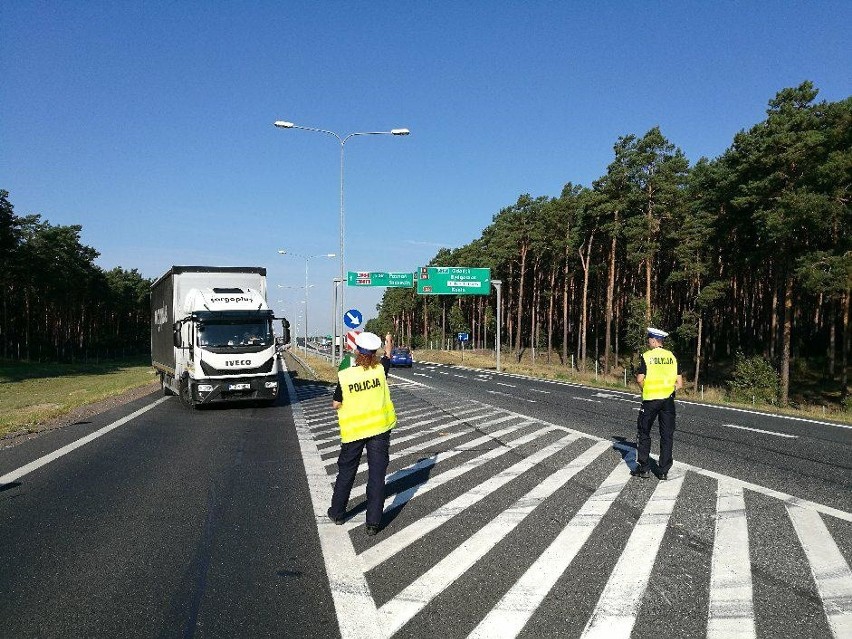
{"points": [[238, 362]]}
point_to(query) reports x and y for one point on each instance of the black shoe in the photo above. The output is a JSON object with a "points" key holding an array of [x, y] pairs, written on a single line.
{"points": [[336, 520], [642, 473], [372, 530]]}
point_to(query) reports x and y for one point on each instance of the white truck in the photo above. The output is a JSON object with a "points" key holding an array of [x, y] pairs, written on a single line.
{"points": [[211, 335]]}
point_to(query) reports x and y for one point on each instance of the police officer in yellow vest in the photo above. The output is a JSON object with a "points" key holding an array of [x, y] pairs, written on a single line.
{"points": [[659, 377], [366, 416]]}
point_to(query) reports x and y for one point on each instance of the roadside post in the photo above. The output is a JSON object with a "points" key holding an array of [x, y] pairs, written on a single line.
{"points": [[463, 337], [498, 284]]}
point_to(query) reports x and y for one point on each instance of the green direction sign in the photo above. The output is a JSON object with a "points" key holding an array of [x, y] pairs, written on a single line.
{"points": [[370, 278], [453, 280]]}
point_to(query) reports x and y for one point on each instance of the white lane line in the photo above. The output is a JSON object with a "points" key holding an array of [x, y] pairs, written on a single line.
{"points": [[420, 433], [731, 609], [390, 546], [399, 610], [422, 375], [435, 457], [395, 501], [443, 372], [509, 385], [335, 438], [494, 392], [773, 415], [831, 572], [425, 446], [462, 376], [616, 610], [758, 430], [586, 399], [538, 390], [16, 474], [514, 610], [353, 601]]}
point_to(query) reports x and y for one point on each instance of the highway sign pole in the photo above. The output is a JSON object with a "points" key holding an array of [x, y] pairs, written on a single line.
{"points": [[334, 315], [498, 285]]}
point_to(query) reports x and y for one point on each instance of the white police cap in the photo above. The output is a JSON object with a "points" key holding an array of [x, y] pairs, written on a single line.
{"points": [[368, 342], [656, 333]]}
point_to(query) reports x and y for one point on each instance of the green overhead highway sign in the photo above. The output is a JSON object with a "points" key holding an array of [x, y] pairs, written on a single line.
{"points": [[453, 280], [391, 280]]}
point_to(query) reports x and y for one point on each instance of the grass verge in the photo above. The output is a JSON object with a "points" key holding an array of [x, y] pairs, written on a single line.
{"points": [[33, 393]]}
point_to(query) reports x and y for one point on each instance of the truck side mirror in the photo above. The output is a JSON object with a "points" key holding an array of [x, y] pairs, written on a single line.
{"points": [[176, 337], [285, 330]]}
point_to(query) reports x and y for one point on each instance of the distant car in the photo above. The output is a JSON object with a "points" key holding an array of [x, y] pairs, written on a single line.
{"points": [[401, 356]]}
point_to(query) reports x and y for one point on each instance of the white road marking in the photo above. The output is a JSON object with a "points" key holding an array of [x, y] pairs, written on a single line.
{"points": [[831, 572], [509, 385], [731, 609], [514, 610], [772, 415], [421, 433], [525, 399], [538, 390], [395, 501], [758, 430], [422, 375], [353, 602], [616, 610], [399, 610], [387, 548], [586, 399], [16, 474]]}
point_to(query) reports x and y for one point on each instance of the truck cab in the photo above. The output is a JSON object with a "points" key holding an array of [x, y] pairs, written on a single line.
{"points": [[225, 347]]}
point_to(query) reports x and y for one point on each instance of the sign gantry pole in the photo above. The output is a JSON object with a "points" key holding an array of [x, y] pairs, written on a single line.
{"points": [[499, 286]]}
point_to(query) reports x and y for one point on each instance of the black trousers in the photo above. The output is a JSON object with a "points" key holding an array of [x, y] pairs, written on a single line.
{"points": [[651, 410], [378, 455]]}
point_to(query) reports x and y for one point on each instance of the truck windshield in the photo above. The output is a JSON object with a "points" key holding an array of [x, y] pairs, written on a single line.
{"points": [[218, 334]]}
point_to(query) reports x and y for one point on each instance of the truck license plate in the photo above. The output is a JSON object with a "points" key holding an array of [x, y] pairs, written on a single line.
{"points": [[239, 386]]}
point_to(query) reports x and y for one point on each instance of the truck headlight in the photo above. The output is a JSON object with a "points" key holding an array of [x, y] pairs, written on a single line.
{"points": [[205, 388], [271, 384]]}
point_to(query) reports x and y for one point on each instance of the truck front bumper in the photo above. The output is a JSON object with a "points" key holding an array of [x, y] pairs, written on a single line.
{"points": [[235, 389]]}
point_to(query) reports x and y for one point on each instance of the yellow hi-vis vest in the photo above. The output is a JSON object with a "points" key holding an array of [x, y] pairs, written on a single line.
{"points": [[660, 375], [367, 408]]}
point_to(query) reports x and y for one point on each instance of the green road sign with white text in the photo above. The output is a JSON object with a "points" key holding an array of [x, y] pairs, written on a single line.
{"points": [[453, 280], [372, 278]]}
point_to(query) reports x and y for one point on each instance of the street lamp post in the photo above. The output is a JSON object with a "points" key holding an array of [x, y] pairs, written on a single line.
{"points": [[281, 124], [304, 304], [306, 258]]}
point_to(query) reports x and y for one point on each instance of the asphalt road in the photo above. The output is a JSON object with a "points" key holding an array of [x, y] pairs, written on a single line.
{"points": [[175, 524], [510, 512]]}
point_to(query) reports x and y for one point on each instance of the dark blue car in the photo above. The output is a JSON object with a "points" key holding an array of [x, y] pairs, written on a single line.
{"points": [[401, 356]]}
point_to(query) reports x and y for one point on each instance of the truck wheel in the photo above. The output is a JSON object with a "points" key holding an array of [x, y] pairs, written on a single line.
{"points": [[186, 394], [168, 392]]}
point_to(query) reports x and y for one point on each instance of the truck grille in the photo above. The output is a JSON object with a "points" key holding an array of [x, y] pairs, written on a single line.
{"points": [[266, 367]]}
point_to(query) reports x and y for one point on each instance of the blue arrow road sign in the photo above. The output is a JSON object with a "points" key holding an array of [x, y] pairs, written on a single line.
{"points": [[352, 318], [463, 337]]}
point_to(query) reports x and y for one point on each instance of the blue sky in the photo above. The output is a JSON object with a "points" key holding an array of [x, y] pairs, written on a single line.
{"points": [[150, 123]]}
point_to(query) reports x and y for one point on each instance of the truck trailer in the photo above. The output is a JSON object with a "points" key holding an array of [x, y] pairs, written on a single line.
{"points": [[211, 335]]}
